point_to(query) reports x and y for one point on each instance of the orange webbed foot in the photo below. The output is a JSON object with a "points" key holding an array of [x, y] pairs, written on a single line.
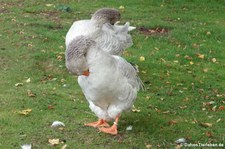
{"points": [[111, 130], [99, 123]]}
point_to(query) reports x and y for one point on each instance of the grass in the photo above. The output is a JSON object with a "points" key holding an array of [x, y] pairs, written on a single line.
{"points": [[180, 83]]}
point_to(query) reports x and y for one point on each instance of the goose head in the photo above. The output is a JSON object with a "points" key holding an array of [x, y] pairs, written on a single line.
{"points": [[106, 15], [75, 55]]}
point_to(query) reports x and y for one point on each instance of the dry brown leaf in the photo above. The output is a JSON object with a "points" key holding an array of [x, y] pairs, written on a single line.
{"points": [[59, 57], [206, 124], [178, 146], [30, 93], [188, 57], [172, 122], [53, 141], [166, 112], [18, 84], [221, 108], [64, 146], [148, 146], [200, 56], [182, 107], [25, 112], [209, 134], [134, 109]]}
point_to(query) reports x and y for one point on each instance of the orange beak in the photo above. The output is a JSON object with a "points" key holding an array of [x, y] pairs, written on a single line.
{"points": [[86, 73]]}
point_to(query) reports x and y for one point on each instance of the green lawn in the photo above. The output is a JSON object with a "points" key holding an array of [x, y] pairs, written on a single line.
{"points": [[184, 74]]}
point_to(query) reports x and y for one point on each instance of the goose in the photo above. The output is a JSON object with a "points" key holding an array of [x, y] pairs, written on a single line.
{"points": [[109, 83], [104, 28]]}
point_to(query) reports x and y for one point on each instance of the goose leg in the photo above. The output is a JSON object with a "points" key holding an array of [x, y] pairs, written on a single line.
{"points": [[111, 130], [99, 123]]}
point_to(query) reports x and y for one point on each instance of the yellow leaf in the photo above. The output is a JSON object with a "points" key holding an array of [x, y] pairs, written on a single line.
{"points": [[25, 112], [122, 8], [191, 63], [208, 33], [201, 56], [53, 141], [141, 58], [28, 80], [206, 124], [148, 146], [30, 93], [134, 109], [214, 60]]}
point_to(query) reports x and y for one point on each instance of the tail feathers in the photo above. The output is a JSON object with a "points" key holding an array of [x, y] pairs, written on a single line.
{"points": [[139, 81], [141, 84]]}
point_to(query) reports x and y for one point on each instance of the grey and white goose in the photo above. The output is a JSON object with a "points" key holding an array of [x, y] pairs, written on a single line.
{"points": [[102, 26]]}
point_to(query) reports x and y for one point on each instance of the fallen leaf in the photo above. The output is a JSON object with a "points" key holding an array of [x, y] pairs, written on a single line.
{"points": [[182, 107], [64, 146], [208, 33], [205, 70], [141, 58], [214, 60], [188, 57], [144, 72], [30, 93], [53, 141], [206, 124], [25, 112], [57, 123], [209, 134], [191, 63], [50, 107], [59, 57], [148, 146], [122, 8], [18, 84], [221, 108], [166, 112], [172, 122], [201, 56], [178, 146], [26, 146], [218, 120], [134, 109], [48, 5], [214, 108], [28, 80]]}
